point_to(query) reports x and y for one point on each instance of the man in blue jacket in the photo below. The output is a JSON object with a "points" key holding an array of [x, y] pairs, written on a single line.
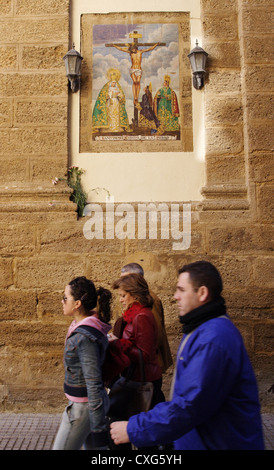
{"points": [[214, 401]]}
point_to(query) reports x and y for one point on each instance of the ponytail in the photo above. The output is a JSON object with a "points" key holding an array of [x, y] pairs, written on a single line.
{"points": [[104, 304]]}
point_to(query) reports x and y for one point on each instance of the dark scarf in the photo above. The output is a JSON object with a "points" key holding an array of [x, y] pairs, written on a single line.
{"points": [[199, 315]]}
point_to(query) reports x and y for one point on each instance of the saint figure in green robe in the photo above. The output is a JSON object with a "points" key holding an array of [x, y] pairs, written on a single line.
{"points": [[166, 107], [109, 113]]}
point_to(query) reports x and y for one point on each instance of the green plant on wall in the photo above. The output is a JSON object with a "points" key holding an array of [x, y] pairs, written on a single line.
{"points": [[73, 180], [78, 196]]}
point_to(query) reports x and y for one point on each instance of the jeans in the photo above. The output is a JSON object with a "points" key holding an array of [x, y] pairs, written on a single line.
{"points": [[74, 430]]}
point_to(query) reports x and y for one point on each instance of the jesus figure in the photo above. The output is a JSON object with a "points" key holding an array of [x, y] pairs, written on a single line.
{"points": [[136, 70]]}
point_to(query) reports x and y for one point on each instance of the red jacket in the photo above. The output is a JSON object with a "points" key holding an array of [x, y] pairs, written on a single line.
{"points": [[141, 332]]}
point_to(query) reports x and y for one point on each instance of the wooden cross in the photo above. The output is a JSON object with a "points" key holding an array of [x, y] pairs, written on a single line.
{"points": [[135, 36]]}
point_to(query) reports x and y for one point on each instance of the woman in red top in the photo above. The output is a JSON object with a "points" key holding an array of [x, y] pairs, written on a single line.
{"points": [[139, 330]]}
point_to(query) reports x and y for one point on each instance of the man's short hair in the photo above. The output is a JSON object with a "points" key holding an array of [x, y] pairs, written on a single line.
{"points": [[132, 268], [204, 273]]}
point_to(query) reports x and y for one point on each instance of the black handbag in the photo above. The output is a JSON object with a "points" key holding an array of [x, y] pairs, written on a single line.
{"points": [[128, 397]]}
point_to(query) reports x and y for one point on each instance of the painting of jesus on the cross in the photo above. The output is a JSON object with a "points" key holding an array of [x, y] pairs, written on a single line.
{"points": [[135, 82]]}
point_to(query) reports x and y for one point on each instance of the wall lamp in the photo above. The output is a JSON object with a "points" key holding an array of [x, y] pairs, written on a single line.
{"points": [[73, 62], [197, 59]]}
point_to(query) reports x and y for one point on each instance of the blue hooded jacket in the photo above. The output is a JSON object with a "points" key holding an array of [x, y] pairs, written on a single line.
{"points": [[215, 403]]}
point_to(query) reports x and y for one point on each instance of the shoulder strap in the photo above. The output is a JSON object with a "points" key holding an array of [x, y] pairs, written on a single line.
{"points": [[180, 350], [132, 367]]}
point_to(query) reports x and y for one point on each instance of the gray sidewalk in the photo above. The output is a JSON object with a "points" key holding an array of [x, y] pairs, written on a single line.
{"points": [[37, 431]]}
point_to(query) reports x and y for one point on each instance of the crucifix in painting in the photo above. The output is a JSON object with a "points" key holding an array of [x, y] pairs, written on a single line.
{"points": [[136, 60]]}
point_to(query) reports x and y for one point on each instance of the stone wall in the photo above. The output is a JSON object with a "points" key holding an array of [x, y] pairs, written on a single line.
{"points": [[42, 244]]}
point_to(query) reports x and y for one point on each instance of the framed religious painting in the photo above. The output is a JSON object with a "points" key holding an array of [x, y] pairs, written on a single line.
{"points": [[136, 83]]}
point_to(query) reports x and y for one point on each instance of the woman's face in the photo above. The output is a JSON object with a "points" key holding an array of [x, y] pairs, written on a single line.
{"points": [[125, 298], [68, 302]]}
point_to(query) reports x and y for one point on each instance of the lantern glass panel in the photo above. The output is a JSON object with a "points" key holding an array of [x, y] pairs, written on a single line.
{"points": [[71, 65], [200, 61]]}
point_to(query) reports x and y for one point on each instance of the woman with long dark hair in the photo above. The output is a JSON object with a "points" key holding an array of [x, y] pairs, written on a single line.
{"points": [[84, 421]]}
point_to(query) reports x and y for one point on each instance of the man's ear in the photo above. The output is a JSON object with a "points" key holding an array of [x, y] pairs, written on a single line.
{"points": [[203, 293]]}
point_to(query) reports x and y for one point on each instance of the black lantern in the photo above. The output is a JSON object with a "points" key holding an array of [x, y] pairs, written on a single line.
{"points": [[73, 62], [197, 59]]}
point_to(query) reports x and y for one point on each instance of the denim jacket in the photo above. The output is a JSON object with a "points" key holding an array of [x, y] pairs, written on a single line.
{"points": [[83, 358]]}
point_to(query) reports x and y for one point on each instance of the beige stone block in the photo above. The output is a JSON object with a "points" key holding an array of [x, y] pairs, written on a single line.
{"points": [[6, 7], [49, 306], [236, 271], [260, 106], [34, 369], [260, 138], [223, 54], [225, 169], [38, 141], [12, 364], [43, 7], [18, 305], [47, 272], [16, 239], [6, 272], [264, 272], [37, 337], [41, 112], [47, 368], [43, 57], [218, 5], [35, 84], [265, 201], [6, 112], [13, 169], [263, 340], [224, 140], [258, 49], [8, 58], [35, 30], [34, 217], [223, 82], [70, 238], [187, 115], [225, 110], [259, 77], [104, 270], [240, 239], [257, 3], [261, 167], [220, 26], [251, 302], [257, 20], [46, 169], [23, 398], [186, 87]]}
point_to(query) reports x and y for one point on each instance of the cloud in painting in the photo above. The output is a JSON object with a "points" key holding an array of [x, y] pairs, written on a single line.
{"points": [[155, 64], [103, 34]]}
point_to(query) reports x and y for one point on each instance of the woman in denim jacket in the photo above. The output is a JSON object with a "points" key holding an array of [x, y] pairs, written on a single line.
{"points": [[84, 421]]}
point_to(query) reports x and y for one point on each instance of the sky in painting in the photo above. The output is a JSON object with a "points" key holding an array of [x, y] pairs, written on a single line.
{"points": [[155, 64]]}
